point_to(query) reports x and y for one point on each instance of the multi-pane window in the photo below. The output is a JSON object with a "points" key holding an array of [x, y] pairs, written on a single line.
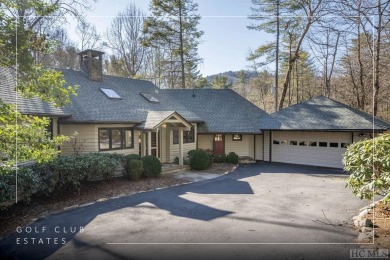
{"points": [[116, 138], [188, 136]]}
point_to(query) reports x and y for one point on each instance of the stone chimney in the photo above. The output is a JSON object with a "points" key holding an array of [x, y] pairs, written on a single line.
{"points": [[91, 64]]}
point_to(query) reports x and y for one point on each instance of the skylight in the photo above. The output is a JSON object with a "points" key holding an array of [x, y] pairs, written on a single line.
{"points": [[150, 97], [110, 93]]}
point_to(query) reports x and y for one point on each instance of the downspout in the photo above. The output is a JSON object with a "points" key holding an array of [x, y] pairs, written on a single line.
{"points": [[270, 146], [254, 147]]}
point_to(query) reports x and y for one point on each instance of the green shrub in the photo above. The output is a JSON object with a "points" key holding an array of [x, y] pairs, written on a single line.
{"points": [[127, 159], [67, 173], [232, 157], [152, 166], [176, 160], [28, 184], [102, 164], [219, 158], [135, 169], [368, 163], [190, 152], [200, 160]]}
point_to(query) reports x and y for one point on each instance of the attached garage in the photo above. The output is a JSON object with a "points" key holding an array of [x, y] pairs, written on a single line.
{"points": [[310, 148], [316, 132]]}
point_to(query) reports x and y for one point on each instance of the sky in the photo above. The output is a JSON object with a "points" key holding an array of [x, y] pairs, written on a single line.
{"points": [[226, 41]]}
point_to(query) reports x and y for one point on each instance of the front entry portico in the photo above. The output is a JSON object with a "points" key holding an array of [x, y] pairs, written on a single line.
{"points": [[159, 131]]}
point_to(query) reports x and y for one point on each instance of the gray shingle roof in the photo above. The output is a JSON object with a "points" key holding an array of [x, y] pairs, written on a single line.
{"points": [[322, 113], [32, 106], [221, 111]]}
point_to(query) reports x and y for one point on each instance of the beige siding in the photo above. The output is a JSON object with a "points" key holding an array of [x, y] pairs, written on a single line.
{"points": [[266, 145], [87, 134], [368, 135], [174, 148], [205, 142], [55, 126], [242, 148], [259, 147]]}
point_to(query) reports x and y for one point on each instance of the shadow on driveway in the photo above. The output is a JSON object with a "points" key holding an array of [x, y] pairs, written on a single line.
{"points": [[39, 243]]}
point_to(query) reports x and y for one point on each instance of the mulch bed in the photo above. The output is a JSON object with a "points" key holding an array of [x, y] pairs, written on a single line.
{"points": [[220, 168]]}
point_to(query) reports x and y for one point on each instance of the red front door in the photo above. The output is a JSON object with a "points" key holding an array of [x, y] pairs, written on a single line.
{"points": [[219, 144]]}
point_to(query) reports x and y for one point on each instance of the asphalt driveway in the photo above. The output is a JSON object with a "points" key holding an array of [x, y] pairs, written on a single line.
{"points": [[258, 211]]}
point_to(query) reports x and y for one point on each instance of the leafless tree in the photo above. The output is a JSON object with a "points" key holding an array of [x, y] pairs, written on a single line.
{"points": [[87, 34], [123, 37]]}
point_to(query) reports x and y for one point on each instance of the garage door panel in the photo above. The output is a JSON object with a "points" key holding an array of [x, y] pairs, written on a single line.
{"points": [[318, 155]]}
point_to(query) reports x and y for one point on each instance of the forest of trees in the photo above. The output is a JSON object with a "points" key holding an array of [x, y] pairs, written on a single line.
{"points": [[334, 48]]}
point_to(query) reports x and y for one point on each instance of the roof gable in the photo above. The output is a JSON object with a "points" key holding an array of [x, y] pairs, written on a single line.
{"points": [[322, 113]]}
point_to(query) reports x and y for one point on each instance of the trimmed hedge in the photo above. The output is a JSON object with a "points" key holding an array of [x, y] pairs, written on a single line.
{"points": [[200, 159], [152, 166], [232, 157], [135, 169]]}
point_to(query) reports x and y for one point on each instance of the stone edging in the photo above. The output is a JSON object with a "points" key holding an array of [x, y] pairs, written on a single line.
{"points": [[364, 225]]}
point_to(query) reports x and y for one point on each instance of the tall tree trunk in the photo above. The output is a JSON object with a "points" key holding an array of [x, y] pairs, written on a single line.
{"points": [[294, 58], [277, 57], [181, 32], [297, 81], [329, 77], [362, 99], [377, 58]]}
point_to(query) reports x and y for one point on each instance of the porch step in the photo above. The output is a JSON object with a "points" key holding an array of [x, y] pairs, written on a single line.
{"points": [[173, 168]]}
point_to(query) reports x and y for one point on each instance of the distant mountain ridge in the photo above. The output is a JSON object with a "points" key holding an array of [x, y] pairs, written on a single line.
{"points": [[231, 75]]}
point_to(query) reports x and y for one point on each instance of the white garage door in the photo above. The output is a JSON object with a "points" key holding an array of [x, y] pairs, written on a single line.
{"points": [[310, 148]]}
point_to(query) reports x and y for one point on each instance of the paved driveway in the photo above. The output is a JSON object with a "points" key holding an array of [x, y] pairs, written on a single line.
{"points": [[258, 211]]}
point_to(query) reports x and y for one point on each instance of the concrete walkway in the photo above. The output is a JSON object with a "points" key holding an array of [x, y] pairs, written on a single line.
{"points": [[265, 211], [195, 176]]}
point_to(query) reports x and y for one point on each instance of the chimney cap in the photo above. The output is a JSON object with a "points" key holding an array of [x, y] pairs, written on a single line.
{"points": [[94, 52]]}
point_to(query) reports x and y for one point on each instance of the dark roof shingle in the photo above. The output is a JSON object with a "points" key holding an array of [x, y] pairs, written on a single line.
{"points": [[30, 106], [221, 111], [322, 113]]}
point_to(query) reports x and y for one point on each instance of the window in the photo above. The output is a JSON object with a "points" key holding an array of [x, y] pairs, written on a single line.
{"points": [[188, 136], [115, 138], [323, 144], [283, 142], [334, 145], [110, 93], [302, 143], [175, 136], [218, 138], [312, 143], [149, 97], [275, 142], [237, 137], [344, 145], [293, 142]]}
